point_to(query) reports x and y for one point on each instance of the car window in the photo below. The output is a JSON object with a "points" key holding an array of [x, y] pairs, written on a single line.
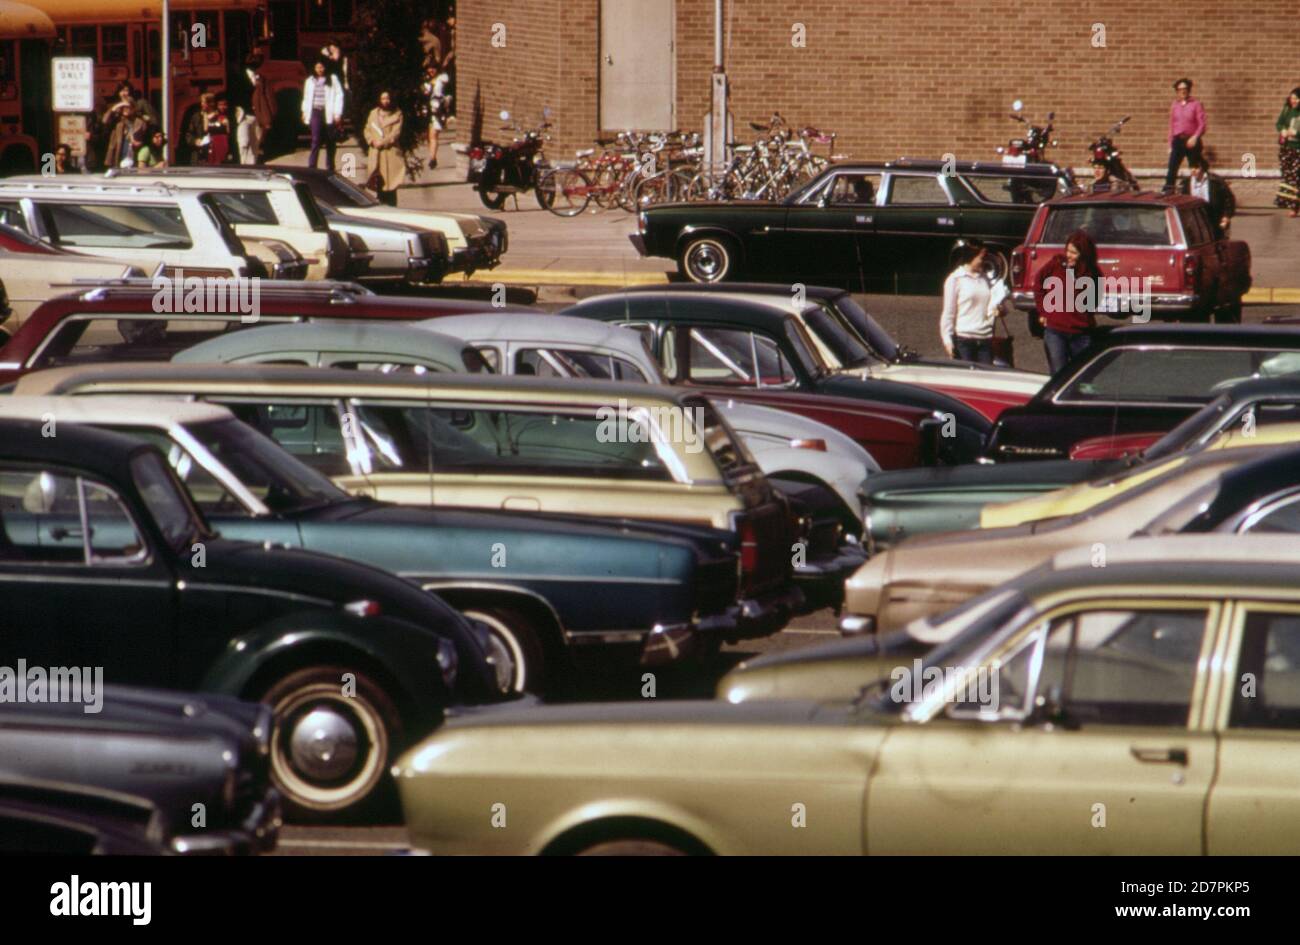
{"points": [[11, 214], [560, 362], [120, 226], [1195, 228], [245, 207], [1108, 224], [1013, 189], [386, 365], [916, 189], [854, 190], [1123, 666], [1268, 667], [311, 432], [1280, 515], [43, 520], [1156, 375], [402, 438], [104, 340], [737, 358]]}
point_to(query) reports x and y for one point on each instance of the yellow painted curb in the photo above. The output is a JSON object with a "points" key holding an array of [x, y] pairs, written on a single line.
{"points": [[566, 277], [1286, 295], [1275, 296]]}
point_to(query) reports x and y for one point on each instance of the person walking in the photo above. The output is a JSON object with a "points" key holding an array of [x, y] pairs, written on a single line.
{"points": [[1288, 154], [1064, 304], [970, 307], [1214, 190], [383, 132], [322, 111], [262, 103], [438, 106], [1186, 129]]}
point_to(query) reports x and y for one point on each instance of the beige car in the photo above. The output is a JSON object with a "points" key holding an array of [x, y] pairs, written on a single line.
{"points": [[32, 278], [263, 206], [929, 574], [1089, 711]]}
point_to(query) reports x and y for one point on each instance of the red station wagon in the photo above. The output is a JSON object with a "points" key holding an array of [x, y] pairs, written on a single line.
{"points": [[1163, 244]]}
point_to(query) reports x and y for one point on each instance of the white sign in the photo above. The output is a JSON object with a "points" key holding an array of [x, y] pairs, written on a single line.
{"points": [[74, 84]]}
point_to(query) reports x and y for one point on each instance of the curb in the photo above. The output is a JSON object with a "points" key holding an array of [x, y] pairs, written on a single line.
{"points": [[1274, 296]]}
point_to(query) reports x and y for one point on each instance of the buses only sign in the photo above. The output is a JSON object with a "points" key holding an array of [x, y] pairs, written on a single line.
{"points": [[74, 84]]}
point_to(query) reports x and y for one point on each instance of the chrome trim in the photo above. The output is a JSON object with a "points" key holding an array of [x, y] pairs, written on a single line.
{"points": [[248, 589]]}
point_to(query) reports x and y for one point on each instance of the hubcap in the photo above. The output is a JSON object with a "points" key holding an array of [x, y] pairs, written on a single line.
{"points": [[323, 745], [706, 261]]}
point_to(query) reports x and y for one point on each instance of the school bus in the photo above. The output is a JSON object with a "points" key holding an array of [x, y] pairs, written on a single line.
{"points": [[25, 117]]}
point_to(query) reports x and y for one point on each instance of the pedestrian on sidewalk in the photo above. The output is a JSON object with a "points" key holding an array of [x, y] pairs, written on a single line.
{"points": [[1064, 303], [387, 166], [1186, 129], [322, 112], [1288, 151], [153, 149], [63, 163], [219, 133], [1214, 190], [261, 102], [437, 103], [970, 308], [121, 140], [196, 130]]}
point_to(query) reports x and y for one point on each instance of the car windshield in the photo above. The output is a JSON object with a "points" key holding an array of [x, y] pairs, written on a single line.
{"points": [[981, 620], [1109, 224], [272, 475], [1210, 417], [344, 193], [177, 520], [1203, 426], [1167, 374], [846, 347], [867, 328]]}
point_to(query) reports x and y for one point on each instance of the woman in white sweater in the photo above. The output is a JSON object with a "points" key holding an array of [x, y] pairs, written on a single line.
{"points": [[970, 306]]}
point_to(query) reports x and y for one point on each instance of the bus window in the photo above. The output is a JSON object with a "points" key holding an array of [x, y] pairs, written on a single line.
{"points": [[7, 71], [80, 41], [114, 44]]}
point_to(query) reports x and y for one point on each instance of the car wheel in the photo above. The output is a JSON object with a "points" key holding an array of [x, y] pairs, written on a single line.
{"points": [[518, 634], [336, 733], [491, 199], [631, 848], [707, 259], [996, 266]]}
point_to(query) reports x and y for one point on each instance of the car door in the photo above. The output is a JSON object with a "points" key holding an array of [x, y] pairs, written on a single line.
{"points": [[828, 234], [1091, 743], [916, 227], [83, 587], [1254, 806]]}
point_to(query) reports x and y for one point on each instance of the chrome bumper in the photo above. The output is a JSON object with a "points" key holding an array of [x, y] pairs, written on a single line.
{"points": [[258, 832]]}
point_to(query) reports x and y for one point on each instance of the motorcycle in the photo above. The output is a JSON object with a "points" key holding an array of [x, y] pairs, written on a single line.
{"points": [[1104, 152], [498, 171], [1032, 148]]}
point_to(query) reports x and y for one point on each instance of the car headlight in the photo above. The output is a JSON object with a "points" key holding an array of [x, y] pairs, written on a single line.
{"points": [[448, 661]]}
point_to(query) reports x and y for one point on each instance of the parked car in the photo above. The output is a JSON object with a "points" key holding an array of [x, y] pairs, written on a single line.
{"points": [[764, 356], [262, 205], [30, 278], [396, 253], [1218, 489], [519, 444], [1156, 250], [1117, 686], [476, 242], [850, 340], [871, 226], [43, 818], [666, 591], [147, 225], [1140, 379], [909, 502], [130, 321], [176, 750], [111, 566]]}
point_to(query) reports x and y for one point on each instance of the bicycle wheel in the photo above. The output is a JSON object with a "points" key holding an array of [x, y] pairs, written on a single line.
{"points": [[606, 183], [567, 191], [657, 188], [626, 196]]}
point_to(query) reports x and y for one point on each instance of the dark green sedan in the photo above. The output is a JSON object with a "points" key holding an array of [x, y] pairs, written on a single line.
{"points": [[872, 226]]}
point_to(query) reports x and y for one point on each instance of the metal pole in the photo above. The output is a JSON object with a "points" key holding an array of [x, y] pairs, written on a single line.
{"points": [[166, 72], [717, 128]]}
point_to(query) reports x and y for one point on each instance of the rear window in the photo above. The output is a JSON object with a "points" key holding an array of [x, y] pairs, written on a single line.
{"points": [[119, 226], [310, 207], [245, 207], [1159, 375], [106, 340], [722, 443], [1010, 189], [1109, 224]]}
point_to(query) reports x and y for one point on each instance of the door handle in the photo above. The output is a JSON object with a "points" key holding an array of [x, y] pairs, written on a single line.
{"points": [[58, 533], [1159, 756], [863, 219]]}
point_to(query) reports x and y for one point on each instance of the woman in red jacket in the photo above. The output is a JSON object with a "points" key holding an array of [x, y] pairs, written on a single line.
{"points": [[1065, 297]]}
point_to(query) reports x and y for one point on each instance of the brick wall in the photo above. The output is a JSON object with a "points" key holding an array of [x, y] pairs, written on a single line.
{"points": [[919, 77]]}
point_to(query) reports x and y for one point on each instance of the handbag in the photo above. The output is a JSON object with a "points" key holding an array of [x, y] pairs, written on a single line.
{"points": [[375, 181], [1004, 346]]}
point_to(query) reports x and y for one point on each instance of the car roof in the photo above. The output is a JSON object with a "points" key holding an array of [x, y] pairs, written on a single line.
{"points": [[739, 288], [192, 178], [135, 410], [680, 305], [359, 337], [1202, 554], [1204, 334], [1126, 198], [80, 185], [532, 327], [78, 446], [969, 167], [342, 382]]}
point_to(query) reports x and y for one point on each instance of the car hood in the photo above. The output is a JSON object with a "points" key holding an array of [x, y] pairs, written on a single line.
{"points": [[456, 226], [895, 392]]}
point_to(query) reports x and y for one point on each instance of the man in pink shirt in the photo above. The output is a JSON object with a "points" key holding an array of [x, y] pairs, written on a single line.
{"points": [[1186, 128]]}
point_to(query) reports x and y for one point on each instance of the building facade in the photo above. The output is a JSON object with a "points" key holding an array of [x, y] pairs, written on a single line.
{"points": [[915, 77]]}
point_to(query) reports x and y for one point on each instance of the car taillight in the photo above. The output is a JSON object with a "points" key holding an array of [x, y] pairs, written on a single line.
{"points": [[1017, 266], [748, 547], [475, 154], [1191, 268]]}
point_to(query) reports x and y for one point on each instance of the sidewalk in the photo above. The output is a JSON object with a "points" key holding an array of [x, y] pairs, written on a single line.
{"points": [[593, 249]]}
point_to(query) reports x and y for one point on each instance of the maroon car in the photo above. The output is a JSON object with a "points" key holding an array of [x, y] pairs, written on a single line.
{"points": [[134, 321], [1159, 253]]}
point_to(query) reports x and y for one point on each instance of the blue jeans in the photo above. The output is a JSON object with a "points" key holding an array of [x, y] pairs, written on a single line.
{"points": [[1062, 347], [321, 133], [979, 350]]}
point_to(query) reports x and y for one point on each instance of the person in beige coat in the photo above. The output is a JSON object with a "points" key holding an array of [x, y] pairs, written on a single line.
{"points": [[383, 129]]}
